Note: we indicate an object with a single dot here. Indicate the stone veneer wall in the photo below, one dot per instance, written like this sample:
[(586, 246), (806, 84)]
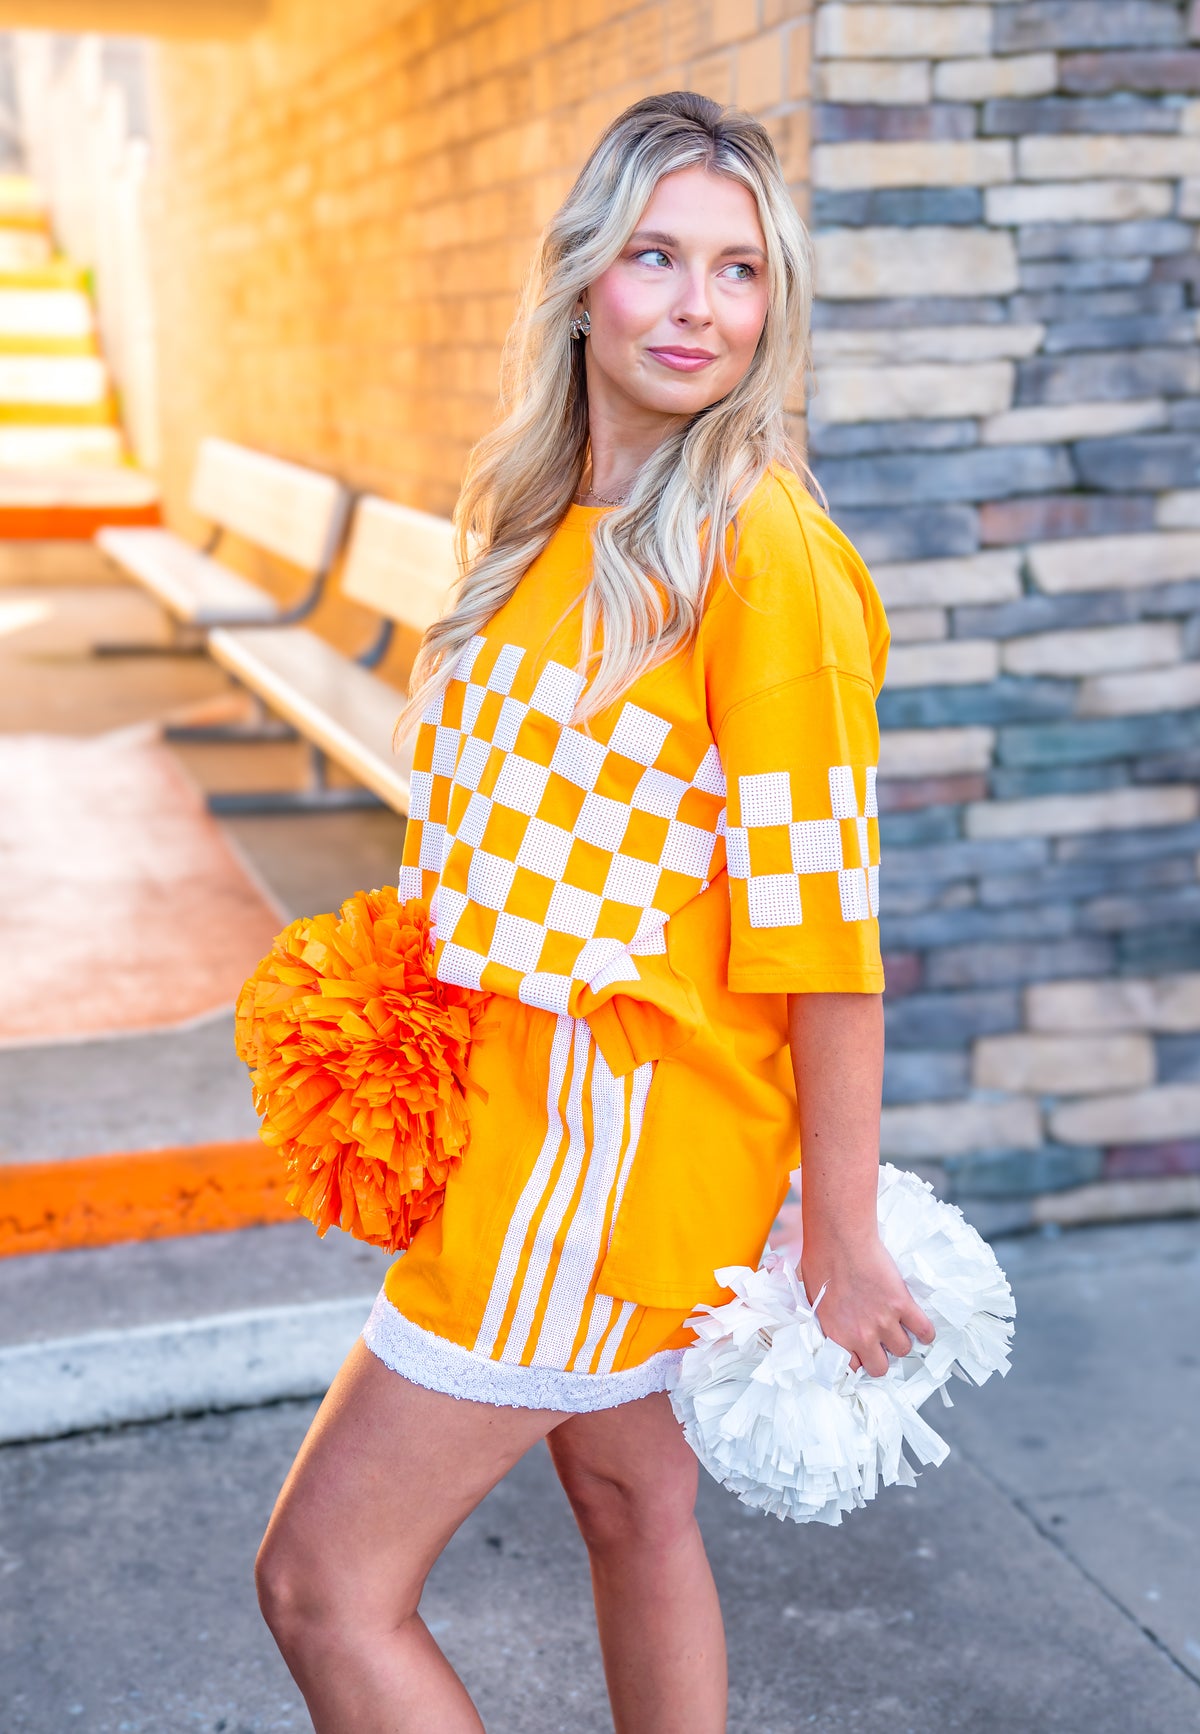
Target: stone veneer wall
[(1008, 423)]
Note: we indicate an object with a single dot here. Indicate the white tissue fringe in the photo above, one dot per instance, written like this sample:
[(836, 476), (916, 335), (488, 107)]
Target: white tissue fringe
[(769, 1404)]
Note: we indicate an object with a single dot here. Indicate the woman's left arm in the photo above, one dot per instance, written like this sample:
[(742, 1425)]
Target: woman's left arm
[(837, 1055)]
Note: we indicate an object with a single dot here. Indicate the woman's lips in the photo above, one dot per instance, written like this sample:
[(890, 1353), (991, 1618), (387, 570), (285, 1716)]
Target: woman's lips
[(683, 360)]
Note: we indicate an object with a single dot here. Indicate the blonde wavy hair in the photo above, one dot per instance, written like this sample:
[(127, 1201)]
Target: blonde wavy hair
[(654, 556)]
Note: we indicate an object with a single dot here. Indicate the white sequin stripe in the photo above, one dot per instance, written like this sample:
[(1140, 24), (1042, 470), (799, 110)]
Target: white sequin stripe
[(581, 1248), (598, 1322), (613, 1341), (531, 1194), (557, 1205), (438, 1365), (602, 1305)]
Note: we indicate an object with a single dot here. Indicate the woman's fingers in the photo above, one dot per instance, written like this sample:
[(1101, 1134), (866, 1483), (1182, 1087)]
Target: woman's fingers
[(897, 1341), (914, 1320)]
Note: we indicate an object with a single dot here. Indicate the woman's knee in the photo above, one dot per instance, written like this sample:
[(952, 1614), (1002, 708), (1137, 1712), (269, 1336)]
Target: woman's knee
[(616, 1513)]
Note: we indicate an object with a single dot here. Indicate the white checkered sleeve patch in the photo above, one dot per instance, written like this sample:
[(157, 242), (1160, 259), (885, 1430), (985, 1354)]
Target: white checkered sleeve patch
[(816, 846)]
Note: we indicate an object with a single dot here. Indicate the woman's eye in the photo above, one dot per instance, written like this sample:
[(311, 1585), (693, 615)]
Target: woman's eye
[(652, 255), (743, 273)]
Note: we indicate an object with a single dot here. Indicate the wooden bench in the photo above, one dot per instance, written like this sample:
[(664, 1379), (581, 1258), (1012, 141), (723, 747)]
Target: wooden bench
[(293, 513), (399, 563)]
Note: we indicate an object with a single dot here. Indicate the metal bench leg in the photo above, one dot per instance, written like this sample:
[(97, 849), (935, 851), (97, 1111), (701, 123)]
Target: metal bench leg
[(318, 797)]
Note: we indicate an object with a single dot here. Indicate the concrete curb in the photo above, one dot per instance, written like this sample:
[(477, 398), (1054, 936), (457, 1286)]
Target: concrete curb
[(225, 1361)]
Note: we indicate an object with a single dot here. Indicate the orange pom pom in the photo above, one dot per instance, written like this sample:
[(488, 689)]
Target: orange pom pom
[(358, 1058)]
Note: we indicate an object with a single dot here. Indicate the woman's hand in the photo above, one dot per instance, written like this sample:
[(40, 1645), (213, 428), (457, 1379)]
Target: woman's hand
[(867, 1307)]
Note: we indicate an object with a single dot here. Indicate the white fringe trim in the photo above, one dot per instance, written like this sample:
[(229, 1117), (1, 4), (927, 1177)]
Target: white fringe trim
[(438, 1365)]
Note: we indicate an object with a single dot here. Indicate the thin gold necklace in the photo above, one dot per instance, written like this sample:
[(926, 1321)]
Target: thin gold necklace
[(589, 494)]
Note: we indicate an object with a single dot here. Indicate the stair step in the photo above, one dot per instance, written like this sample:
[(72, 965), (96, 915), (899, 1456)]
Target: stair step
[(21, 200), (72, 504), (45, 313), (60, 447), (53, 380), (21, 248), (57, 274)]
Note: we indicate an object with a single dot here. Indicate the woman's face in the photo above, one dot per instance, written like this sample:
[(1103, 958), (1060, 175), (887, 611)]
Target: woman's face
[(677, 317)]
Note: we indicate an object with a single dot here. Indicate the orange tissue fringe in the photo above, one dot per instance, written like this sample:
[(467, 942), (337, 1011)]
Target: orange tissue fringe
[(358, 1059)]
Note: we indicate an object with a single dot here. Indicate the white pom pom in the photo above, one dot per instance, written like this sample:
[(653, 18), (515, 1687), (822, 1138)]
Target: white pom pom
[(769, 1404)]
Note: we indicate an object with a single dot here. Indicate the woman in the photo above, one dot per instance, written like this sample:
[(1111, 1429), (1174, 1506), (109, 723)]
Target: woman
[(643, 811)]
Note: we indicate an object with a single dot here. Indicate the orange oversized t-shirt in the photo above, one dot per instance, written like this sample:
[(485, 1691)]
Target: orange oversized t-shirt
[(555, 857), (672, 871)]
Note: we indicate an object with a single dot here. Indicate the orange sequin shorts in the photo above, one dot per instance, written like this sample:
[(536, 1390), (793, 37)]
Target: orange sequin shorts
[(497, 1298)]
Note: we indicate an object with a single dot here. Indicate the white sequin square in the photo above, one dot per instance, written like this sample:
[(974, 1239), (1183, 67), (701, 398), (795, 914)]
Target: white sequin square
[(473, 698), (639, 734), (557, 692), (504, 669), (473, 823), (521, 784), (468, 656), (508, 724), (855, 894), (773, 900), (574, 911), (651, 937), (471, 762), (420, 788), (816, 845), (658, 792), (445, 750), (602, 821), (688, 849), (737, 852), (596, 955), (489, 879), (632, 881), (871, 804), (545, 849), (410, 883), (449, 910), (432, 839), (843, 800), (578, 758), (766, 798), (545, 990), (710, 773), (517, 942), (459, 967)]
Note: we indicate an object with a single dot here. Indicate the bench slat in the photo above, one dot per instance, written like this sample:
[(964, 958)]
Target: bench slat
[(296, 513), (194, 587), (341, 707), (400, 562)]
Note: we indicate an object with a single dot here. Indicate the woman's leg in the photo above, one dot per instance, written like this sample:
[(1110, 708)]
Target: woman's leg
[(630, 1476), (385, 1476)]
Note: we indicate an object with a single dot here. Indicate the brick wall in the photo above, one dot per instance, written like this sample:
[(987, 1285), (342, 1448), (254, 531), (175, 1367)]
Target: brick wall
[(347, 202), (1008, 423), (1006, 199)]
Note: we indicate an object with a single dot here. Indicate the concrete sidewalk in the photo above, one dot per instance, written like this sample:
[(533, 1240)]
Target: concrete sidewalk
[(1046, 1579)]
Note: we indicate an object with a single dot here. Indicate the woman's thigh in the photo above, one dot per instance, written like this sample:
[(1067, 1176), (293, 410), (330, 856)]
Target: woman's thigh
[(628, 1469), (386, 1473)]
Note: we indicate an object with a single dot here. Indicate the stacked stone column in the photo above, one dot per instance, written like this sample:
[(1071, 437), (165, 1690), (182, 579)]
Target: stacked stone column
[(1005, 199)]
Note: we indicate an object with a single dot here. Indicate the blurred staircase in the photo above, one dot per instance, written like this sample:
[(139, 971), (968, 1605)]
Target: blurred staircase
[(64, 465)]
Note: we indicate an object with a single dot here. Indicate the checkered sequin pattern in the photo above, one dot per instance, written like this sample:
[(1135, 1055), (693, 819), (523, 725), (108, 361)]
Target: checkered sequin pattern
[(553, 856), (558, 854), (774, 849)]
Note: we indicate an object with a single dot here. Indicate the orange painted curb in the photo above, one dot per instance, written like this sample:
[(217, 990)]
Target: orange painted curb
[(68, 523), (142, 1195)]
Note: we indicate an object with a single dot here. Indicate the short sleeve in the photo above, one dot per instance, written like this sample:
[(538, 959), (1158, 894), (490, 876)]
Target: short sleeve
[(795, 650)]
